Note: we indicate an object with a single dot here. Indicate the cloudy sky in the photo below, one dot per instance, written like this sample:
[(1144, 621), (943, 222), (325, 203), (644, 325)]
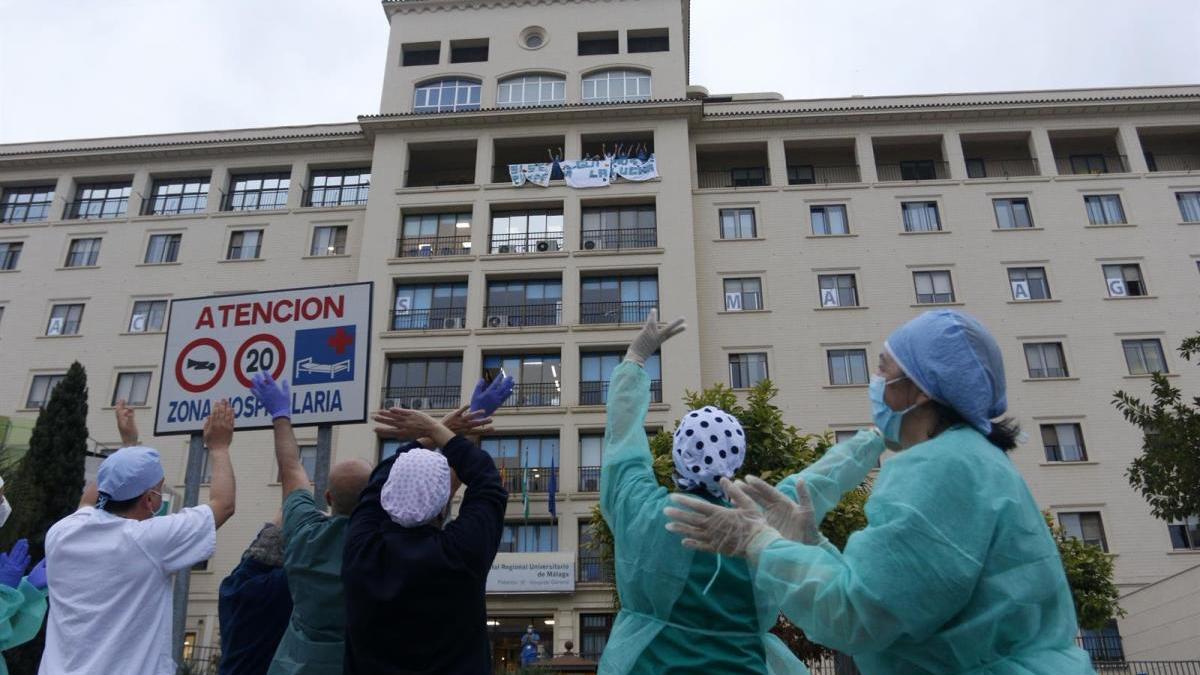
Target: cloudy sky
[(85, 68)]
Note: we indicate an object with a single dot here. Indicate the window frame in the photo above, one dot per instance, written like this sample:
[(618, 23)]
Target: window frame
[(1009, 205), (319, 248), (848, 366), (241, 234), (522, 82), (237, 199), (933, 286), (170, 250), (1056, 455), (840, 289), (745, 362), (89, 256), (609, 76), (136, 375), (67, 322), (10, 255), (150, 312), (1188, 202), (648, 40), (1037, 351), (738, 212), (742, 293), (1079, 517), (192, 190), (81, 208), (447, 300), (359, 186), (1102, 206), (1141, 344), (1043, 287), (472, 86), (51, 380), (1121, 271), (1187, 531), (32, 210), (926, 206), (824, 209)]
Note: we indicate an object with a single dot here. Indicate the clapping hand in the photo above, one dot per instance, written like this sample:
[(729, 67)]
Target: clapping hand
[(126, 424), (14, 563), (651, 337), (489, 397)]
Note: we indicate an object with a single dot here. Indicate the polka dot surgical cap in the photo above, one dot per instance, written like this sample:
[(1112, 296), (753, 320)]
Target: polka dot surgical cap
[(709, 445), (417, 488)]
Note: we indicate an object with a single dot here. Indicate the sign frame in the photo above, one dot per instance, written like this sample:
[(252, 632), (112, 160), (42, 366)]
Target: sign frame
[(267, 424)]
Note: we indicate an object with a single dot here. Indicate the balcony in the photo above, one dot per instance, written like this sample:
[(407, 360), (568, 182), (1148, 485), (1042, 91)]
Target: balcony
[(518, 316), (910, 158), (733, 165), (630, 311), (821, 161), (86, 209), (616, 240), (421, 398), (596, 393), (433, 247), (999, 155), (534, 478), (1110, 648), (1090, 151), (441, 318), (592, 571), (540, 150), (534, 395), (1171, 148), (589, 479), (526, 242), (440, 164)]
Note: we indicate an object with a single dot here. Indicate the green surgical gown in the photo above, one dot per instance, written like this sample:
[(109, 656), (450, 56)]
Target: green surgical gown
[(21, 613)]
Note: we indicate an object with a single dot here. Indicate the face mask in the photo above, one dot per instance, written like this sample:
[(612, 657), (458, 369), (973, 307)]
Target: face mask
[(5, 511), (885, 418)]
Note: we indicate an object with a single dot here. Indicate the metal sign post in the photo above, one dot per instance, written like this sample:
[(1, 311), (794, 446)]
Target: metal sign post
[(321, 473), (183, 578)]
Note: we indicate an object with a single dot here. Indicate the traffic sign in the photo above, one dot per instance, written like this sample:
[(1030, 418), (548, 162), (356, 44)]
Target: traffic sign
[(318, 338)]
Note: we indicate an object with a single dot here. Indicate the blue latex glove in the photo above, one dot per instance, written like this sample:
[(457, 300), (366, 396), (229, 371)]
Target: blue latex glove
[(276, 398), (488, 397), (14, 563), (37, 576)]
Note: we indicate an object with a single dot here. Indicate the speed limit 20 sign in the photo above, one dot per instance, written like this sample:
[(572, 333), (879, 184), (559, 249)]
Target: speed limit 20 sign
[(316, 338)]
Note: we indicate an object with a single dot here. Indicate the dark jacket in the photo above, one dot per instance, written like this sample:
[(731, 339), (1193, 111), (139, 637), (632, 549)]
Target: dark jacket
[(415, 597), (254, 608)]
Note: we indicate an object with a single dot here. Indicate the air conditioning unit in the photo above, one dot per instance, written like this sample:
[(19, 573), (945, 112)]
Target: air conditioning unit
[(390, 403), (515, 320), (496, 321), (504, 248), (592, 244), (547, 245), (418, 404), (452, 322)]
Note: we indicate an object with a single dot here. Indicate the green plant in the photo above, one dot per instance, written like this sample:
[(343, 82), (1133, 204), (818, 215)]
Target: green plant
[(1090, 575)]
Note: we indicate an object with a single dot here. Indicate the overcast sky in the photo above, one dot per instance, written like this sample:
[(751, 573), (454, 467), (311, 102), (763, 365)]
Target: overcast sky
[(85, 68)]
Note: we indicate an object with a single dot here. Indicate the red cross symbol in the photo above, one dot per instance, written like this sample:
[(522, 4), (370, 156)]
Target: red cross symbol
[(340, 340)]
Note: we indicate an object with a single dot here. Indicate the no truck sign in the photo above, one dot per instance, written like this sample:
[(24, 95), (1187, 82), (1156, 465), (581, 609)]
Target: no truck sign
[(317, 338)]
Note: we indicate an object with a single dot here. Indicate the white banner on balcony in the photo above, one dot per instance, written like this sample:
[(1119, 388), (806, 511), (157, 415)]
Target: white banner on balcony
[(538, 174), (586, 173), (634, 169), (532, 573)]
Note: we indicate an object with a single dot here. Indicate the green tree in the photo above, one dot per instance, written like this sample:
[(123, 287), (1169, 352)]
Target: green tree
[(1168, 470), (1090, 575)]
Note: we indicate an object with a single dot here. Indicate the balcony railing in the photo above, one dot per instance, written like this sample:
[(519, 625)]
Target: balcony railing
[(592, 570), (255, 200), (111, 207), (421, 398), (433, 177), (439, 318), (633, 311), (1002, 168), (1105, 647), (534, 395), (752, 176), (517, 316), (532, 242), (428, 247), (24, 212), (1085, 164), (589, 479), (343, 195), (502, 174), (174, 205), (914, 170), (1157, 162), (596, 392), (535, 478), (804, 174), (615, 240)]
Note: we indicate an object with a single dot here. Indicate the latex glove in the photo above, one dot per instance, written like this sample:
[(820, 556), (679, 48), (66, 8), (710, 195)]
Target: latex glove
[(794, 520), (14, 563), (488, 397), (37, 576), (651, 337), (276, 398), (739, 531)]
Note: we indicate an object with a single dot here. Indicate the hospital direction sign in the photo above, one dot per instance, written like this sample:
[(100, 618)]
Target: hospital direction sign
[(317, 338)]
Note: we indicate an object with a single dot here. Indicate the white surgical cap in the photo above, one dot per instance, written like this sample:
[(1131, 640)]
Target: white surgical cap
[(417, 487)]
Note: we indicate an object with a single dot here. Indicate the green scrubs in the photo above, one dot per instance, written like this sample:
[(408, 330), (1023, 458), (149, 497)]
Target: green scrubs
[(21, 613)]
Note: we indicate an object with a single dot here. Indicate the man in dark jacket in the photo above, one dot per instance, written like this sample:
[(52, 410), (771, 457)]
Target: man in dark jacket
[(415, 589), (254, 605)]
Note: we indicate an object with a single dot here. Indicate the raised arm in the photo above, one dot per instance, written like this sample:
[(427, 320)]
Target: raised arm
[(222, 490), (276, 398), (126, 424), (841, 469)]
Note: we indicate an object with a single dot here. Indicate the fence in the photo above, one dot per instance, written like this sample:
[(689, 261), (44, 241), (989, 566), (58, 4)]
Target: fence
[(534, 395), (200, 660), (421, 398), (927, 169), (595, 392), (630, 311), (753, 176), (532, 242), (625, 238), (441, 318), (426, 247), (516, 316), (807, 174)]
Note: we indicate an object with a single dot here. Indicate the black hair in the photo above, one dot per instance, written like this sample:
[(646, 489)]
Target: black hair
[(1004, 431), (118, 507)]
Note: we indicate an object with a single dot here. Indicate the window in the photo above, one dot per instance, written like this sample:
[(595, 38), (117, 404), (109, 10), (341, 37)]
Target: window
[(524, 461), (829, 219), (1063, 443), (10, 253), (245, 245), (919, 169), (328, 240), (838, 290), (743, 294), (41, 388), (259, 191), (449, 95), (598, 43), (133, 388), (523, 303), (100, 200), (647, 40), (1085, 526), (801, 174), (619, 227), (1088, 164), (83, 252), (440, 234), (423, 384), (591, 455), (933, 287), (529, 537), (148, 316), (1028, 283), (339, 187), (469, 51), (532, 89), (163, 248), (750, 176), (976, 168), (1124, 280), (308, 460), (1144, 356), (430, 306), (738, 224), (178, 195), (1012, 213), (616, 85), (536, 376), (847, 366), (1185, 534), (421, 54), (533, 37), (625, 299), (591, 569), (1045, 359), (921, 216), (26, 204), (593, 634), (64, 319), (1104, 644), (1104, 209), (747, 370), (1189, 206), (530, 231), (595, 371)]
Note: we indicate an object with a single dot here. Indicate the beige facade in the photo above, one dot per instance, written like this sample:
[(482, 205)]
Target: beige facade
[(769, 164)]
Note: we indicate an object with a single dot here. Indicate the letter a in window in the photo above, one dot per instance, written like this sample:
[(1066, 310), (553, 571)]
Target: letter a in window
[(829, 297), (1020, 290)]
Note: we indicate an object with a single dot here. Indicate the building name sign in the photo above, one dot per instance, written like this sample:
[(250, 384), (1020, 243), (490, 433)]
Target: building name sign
[(532, 573)]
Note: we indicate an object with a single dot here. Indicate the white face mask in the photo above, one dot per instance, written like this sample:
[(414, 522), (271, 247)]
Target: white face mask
[(5, 511)]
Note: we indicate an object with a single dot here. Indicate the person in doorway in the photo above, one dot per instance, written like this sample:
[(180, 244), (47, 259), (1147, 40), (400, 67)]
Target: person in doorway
[(530, 642), (254, 605), (314, 642), (111, 564), (22, 598), (956, 571)]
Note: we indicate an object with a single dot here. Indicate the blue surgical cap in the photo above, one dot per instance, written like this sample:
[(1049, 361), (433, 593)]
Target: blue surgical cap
[(129, 472), (956, 361)]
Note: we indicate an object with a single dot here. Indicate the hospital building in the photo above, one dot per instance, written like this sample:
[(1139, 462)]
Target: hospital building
[(793, 235)]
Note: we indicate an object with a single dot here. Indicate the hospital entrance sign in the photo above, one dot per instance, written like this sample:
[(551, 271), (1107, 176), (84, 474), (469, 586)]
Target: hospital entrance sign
[(317, 338)]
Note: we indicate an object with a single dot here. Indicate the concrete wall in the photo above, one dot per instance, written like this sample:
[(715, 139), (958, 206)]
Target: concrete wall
[(1163, 619)]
